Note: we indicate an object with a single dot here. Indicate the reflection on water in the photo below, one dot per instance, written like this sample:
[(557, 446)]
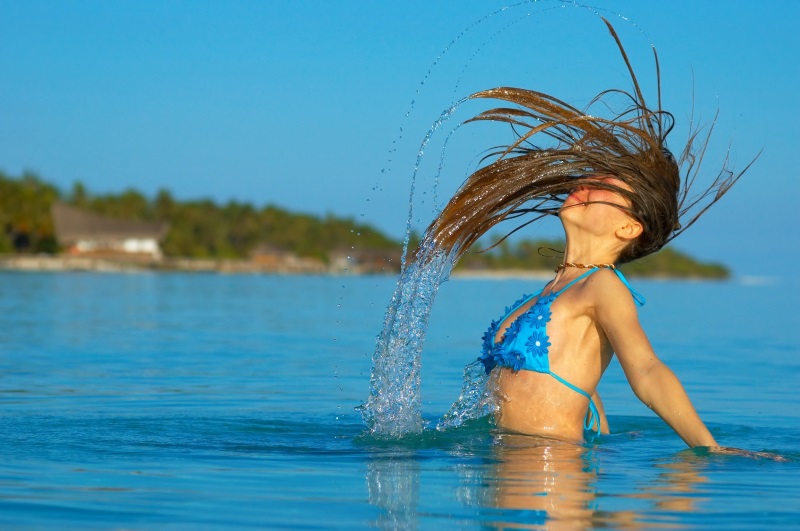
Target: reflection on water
[(543, 482), (393, 486), (535, 483)]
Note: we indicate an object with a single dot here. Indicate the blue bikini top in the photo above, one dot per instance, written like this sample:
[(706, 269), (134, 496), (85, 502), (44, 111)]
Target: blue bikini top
[(525, 343)]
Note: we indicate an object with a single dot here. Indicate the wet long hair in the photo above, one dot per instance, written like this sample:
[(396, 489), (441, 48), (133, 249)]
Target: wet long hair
[(525, 180)]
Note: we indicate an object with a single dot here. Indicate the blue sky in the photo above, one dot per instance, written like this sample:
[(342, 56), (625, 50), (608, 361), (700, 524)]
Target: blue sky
[(308, 104)]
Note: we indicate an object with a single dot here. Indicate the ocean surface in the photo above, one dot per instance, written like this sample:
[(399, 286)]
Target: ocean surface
[(206, 401)]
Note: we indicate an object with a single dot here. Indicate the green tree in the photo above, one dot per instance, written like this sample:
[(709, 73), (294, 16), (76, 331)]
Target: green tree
[(25, 218)]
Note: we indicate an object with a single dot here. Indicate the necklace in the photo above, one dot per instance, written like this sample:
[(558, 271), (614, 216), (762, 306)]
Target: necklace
[(583, 266)]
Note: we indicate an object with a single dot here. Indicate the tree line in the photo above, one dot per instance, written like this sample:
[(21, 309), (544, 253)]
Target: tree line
[(547, 254), (206, 229), (197, 228)]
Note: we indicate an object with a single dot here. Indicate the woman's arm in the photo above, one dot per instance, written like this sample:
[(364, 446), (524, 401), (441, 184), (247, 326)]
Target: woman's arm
[(652, 381)]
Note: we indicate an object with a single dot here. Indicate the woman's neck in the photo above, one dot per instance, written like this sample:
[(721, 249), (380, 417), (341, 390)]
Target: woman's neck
[(591, 251), (592, 239)]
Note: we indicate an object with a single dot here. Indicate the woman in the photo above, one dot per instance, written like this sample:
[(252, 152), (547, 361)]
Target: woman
[(551, 350), (618, 192)]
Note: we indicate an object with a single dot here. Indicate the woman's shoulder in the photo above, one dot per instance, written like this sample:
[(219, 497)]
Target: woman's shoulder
[(606, 287)]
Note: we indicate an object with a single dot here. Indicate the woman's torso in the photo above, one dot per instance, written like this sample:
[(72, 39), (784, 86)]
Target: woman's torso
[(534, 401)]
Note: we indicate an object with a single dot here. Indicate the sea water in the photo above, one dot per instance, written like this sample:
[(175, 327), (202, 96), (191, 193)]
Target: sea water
[(204, 401)]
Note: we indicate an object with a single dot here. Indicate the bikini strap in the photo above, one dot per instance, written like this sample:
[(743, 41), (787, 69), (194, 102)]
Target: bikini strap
[(638, 298), (591, 422), (562, 290)]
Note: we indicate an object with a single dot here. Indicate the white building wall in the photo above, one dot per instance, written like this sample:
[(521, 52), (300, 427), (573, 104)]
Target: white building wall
[(129, 245)]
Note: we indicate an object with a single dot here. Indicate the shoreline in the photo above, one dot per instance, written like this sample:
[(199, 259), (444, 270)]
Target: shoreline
[(49, 263)]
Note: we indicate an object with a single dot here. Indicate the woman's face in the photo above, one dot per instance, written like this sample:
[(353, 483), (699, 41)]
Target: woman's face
[(596, 208), (587, 194)]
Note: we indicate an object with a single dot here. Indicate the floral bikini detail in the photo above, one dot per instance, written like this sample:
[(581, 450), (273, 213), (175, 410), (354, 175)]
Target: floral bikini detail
[(535, 318)]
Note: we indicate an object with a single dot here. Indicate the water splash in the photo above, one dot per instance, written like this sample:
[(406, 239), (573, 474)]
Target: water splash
[(476, 400), (446, 114), (394, 407)]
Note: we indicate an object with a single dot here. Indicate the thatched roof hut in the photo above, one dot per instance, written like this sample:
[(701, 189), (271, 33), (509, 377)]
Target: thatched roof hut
[(85, 232)]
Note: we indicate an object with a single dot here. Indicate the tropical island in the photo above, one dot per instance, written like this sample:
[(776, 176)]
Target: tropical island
[(46, 228)]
